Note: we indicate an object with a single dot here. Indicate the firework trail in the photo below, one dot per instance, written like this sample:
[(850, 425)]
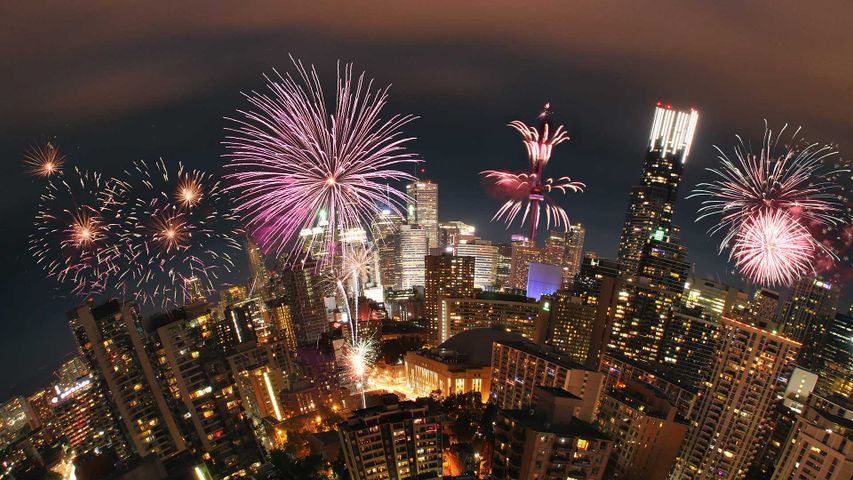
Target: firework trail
[(179, 225), (43, 160), (529, 192), (76, 237), (298, 167), (786, 193), (773, 248), (360, 357)]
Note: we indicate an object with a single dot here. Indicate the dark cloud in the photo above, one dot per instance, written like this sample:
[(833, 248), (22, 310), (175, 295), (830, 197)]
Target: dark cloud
[(118, 81)]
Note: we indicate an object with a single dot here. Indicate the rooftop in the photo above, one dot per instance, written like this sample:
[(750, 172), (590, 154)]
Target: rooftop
[(575, 428)]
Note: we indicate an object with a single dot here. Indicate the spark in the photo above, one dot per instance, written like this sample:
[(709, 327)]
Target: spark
[(529, 192), (773, 248), (298, 167), (178, 225), (790, 179), (43, 160), (75, 239), (360, 357)]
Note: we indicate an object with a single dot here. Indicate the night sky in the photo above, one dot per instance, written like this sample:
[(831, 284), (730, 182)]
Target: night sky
[(115, 82)]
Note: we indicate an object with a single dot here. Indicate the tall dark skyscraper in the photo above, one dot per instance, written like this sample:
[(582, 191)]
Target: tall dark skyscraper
[(807, 314), (445, 276), (652, 202)]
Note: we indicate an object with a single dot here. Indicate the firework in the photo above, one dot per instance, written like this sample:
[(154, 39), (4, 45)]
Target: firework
[(179, 225), (75, 237), (529, 192), (790, 180), (773, 248), (300, 168), (360, 356), (43, 160)]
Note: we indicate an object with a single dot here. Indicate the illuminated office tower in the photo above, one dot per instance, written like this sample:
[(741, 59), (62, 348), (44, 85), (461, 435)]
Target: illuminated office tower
[(665, 262), (412, 247), (652, 202), (445, 276), (200, 383), (70, 371), (400, 440), (571, 322), (597, 285), (836, 358), (112, 340), (454, 232), (819, 446), (519, 367), (646, 431), (423, 208), (566, 250), (83, 416), (485, 260), (524, 252), (304, 293), (503, 266), (513, 313), (262, 373), (639, 316), (548, 442), (716, 299), (730, 420), (807, 314), (763, 307), (690, 341), (258, 275), (385, 226)]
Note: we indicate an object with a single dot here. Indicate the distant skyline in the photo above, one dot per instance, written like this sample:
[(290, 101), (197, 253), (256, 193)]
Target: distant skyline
[(116, 83)]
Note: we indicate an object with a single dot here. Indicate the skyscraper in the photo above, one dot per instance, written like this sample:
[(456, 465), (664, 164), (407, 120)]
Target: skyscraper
[(112, 340), (445, 276), (524, 252), (730, 420), (485, 260), (763, 307), (423, 208), (304, 294), (571, 322), (412, 247), (690, 342), (638, 318), (836, 358), (652, 202), (807, 314), (597, 284), (454, 232), (385, 228), (513, 313), (716, 299), (84, 417), (566, 250), (258, 275), (400, 440), (665, 262)]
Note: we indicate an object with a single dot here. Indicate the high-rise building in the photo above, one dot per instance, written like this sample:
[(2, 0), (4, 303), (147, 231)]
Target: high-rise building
[(548, 442), (652, 202), (453, 233), (716, 299), (646, 431), (571, 322), (665, 262), (485, 261), (744, 385), (412, 247), (514, 313), (304, 294), (639, 317), (807, 314), (400, 440), (112, 339), (820, 446), (836, 358), (201, 385), (503, 267), (258, 275), (385, 226), (763, 307), (84, 418), (445, 276), (423, 208), (597, 284), (524, 252), (518, 367), (566, 250), (689, 347)]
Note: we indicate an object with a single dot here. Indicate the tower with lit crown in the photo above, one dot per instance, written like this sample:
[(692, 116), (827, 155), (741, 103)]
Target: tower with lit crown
[(652, 202)]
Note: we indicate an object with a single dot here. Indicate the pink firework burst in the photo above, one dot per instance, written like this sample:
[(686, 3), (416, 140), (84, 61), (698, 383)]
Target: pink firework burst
[(529, 192), (790, 179), (773, 248), (298, 167)]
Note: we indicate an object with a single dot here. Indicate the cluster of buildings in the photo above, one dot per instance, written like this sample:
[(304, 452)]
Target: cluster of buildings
[(594, 368)]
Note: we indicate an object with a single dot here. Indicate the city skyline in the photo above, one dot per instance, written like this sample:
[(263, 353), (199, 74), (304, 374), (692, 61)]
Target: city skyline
[(241, 244)]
